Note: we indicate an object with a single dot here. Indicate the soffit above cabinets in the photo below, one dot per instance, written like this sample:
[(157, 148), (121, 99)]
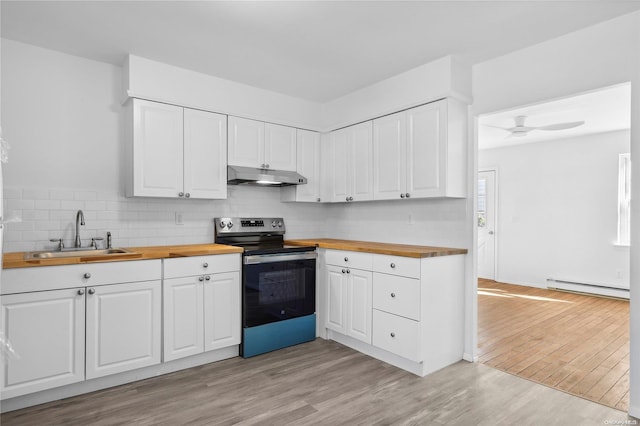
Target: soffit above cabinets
[(313, 50)]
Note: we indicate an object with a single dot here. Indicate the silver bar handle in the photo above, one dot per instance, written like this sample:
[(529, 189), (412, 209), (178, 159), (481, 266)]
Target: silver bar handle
[(279, 257)]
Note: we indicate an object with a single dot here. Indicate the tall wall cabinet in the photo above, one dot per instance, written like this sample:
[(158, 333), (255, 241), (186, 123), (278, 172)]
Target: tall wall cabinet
[(176, 152)]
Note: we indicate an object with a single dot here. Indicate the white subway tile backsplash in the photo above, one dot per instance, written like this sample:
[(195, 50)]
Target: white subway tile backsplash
[(35, 194), (85, 195), (61, 194), (47, 204)]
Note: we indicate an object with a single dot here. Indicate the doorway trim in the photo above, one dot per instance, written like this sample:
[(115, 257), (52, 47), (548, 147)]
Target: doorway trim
[(494, 169)]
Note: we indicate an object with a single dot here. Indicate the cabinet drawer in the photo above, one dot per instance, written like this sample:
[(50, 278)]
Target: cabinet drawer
[(352, 259), (196, 265), (397, 265), (397, 295), (22, 280), (398, 335)]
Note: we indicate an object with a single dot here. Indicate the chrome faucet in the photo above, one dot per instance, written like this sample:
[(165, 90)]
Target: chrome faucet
[(79, 221)]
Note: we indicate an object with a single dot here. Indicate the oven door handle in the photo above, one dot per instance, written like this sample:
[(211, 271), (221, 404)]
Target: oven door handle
[(279, 257)]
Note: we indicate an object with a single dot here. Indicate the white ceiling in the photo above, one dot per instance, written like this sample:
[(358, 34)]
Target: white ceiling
[(602, 111), (315, 50)]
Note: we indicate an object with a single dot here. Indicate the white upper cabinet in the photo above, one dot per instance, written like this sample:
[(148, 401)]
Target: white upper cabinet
[(308, 165), (177, 152), (351, 163), (421, 152), (261, 145)]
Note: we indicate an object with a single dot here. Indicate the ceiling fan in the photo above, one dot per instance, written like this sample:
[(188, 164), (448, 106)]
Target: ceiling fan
[(520, 130)]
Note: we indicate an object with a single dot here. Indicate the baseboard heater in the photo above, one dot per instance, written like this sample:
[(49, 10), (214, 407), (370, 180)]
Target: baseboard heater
[(587, 288)]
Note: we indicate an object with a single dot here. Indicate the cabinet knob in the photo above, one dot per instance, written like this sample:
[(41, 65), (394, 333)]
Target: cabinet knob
[(393, 334), (348, 271), (180, 194), (393, 295), (346, 259), (187, 195), (350, 198), (87, 275), (318, 199), (347, 198), (393, 265), (407, 195), (205, 265), (208, 277), (92, 291), (80, 292), (401, 195), (267, 166), (201, 278), (344, 271)]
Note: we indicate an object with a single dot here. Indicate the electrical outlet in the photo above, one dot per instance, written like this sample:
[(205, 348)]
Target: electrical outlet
[(179, 219)]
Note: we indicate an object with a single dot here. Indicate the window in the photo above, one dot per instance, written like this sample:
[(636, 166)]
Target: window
[(624, 199)]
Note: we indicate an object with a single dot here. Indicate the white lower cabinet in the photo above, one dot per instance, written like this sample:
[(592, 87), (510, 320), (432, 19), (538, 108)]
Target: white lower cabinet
[(409, 311), (349, 302), (46, 330), (123, 327), (75, 322), (201, 304)]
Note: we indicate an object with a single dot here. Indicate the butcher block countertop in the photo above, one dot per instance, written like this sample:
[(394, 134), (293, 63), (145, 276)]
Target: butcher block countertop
[(16, 259), (405, 250)]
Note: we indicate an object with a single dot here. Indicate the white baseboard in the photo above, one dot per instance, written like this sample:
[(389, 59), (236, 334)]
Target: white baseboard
[(634, 412), (469, 357)]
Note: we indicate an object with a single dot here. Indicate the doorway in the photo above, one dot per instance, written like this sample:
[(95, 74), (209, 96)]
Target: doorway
[(487, 224)]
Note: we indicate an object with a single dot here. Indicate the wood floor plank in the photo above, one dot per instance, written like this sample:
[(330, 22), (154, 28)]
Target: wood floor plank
[(573, 342)]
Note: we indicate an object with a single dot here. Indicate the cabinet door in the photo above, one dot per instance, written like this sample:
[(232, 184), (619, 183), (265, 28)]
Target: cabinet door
[(359, 304), (336, 299), (246, 142), (280, 147), (308, 165), (205, 154), (389, 157), (46, 330), (339, 165), (361, 161), (123, 327), (183, 317), (426, 145), (157, 149), (222, 321)]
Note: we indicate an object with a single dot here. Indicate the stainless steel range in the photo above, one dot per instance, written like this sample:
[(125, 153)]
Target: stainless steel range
[(278, 284)]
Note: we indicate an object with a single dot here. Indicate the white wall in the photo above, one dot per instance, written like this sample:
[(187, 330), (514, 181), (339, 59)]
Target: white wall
[(599, 56), (63, 117), (557, 210)]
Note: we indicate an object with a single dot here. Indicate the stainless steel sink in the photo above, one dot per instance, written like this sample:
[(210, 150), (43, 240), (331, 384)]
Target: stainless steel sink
[(83, 252)]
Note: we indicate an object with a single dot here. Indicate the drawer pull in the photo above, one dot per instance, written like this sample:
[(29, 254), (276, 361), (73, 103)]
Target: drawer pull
[(393, 295), (80, 292), (205, 265), (92, 291), (201, 278), (87, 275), (393, 265), (344, 271), (348, 271), (208, 277), (393, 334), (346, 259)]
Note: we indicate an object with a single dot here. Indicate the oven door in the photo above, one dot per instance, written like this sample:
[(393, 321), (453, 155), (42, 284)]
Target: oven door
[(277, 287)]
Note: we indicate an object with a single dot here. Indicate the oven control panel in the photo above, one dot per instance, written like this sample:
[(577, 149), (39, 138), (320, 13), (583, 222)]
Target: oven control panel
[(248, 225)]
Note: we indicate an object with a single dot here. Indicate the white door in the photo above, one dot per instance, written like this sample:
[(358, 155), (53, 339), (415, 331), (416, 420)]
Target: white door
[(46, 330), (246, 142), (361, 163), (339, 165), (359, 302), (183, 317), (487, 224), (426, 142), (157, 149), (279, 147), (389, 156), (336, 299), (205, 154), (222, 321), (123, 327), (308, 165)]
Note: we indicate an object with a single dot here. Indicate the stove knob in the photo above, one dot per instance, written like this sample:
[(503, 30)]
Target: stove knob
[(280, 224), (222, 224), (230, 225), (274, 224)]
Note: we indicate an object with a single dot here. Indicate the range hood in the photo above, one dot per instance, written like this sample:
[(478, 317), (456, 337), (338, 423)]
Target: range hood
[(251, 176)]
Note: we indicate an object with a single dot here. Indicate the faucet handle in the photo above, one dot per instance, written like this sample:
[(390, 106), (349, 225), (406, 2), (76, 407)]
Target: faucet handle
[(109, 239), (59, 241), (94, 241)]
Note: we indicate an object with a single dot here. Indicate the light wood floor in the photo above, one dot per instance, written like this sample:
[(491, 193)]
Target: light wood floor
[(576, 343), (321, 383)]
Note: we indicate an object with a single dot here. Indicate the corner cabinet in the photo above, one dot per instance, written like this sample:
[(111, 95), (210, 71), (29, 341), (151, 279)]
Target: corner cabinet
[(350, 163), (176, 152), (421, 152), (261, 145)]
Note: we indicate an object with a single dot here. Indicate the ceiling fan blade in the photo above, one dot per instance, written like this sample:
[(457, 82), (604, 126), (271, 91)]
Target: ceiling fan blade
[(561, 126)]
